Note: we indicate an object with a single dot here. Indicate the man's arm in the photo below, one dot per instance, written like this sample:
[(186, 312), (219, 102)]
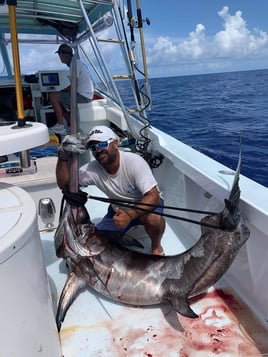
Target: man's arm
[(123, 217), (151, 197), (62, 173)]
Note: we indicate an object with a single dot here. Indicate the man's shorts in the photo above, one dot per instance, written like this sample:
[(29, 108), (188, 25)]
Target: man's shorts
[(65, 98), (107, 223)]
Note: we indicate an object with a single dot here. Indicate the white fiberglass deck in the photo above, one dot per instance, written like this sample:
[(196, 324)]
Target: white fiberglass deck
[(96, 326)]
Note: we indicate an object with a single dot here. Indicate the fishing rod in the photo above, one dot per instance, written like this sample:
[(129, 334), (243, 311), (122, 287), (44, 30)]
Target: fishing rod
[(130, 50)]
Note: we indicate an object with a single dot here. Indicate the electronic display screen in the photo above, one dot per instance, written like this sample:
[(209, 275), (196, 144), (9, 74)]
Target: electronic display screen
[(50, 79)]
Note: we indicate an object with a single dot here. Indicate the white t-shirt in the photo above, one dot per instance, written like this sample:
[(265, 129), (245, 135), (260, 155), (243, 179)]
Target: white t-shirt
[(133, 179), (85, 83)]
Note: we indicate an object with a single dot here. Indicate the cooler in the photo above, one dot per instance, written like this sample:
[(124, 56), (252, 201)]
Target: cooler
[(27, 324)]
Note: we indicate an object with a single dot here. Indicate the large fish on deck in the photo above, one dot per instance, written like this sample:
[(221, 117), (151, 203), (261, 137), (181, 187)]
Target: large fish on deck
[(142, 279)]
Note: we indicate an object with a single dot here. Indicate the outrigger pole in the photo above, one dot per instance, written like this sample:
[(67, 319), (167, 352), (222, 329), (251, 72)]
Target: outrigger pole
[(12, 141), (24, 155), (16, 61)]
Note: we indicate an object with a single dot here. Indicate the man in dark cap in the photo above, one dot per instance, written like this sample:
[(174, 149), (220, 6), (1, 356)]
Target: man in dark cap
[(60, 101)]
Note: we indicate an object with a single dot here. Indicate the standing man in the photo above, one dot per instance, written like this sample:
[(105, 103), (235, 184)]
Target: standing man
[(61, 101), (121, 176)]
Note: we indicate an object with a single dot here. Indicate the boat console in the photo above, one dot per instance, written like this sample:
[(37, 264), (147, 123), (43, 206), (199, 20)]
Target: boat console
[(48, 81), (53, 81), (35, 89)]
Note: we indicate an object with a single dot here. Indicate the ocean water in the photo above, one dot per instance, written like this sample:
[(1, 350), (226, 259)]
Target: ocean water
[(209, 112)]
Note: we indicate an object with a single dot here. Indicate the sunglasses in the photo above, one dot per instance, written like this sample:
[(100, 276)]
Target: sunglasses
[(101, 145)]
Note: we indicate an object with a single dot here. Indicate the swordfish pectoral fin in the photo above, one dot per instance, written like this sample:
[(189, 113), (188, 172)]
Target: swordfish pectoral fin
[(72, 287), (181, 305), (178, 297)]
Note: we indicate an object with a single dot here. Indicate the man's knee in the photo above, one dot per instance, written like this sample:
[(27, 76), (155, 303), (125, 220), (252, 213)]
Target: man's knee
[(154, 220), (53, 96)]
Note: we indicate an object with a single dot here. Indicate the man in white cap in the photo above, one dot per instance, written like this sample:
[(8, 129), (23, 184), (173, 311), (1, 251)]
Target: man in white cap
[(121, 176), (61, 101)]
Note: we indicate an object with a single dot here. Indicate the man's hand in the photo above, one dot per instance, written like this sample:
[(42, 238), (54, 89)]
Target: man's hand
[(121, 218), (75, 143)]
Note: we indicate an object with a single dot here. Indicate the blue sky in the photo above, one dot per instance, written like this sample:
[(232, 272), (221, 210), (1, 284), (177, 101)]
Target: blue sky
[(188, 37), (204, 36)]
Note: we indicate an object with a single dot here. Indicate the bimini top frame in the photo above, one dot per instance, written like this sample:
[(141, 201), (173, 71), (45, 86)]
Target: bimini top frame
[(74, 21), (40, 15)]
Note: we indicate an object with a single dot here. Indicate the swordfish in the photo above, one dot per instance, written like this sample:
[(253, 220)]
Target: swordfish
[(139, 279)]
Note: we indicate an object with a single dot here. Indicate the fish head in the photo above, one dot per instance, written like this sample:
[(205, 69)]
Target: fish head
[(75, 236)]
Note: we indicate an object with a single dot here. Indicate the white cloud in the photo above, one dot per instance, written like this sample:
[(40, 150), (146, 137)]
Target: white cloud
[(195, 44), (171, 51), (236, 40), (220, 51), (34, 59), (235, 47)]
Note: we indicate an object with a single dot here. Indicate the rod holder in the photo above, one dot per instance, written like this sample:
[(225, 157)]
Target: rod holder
[(25, 160)]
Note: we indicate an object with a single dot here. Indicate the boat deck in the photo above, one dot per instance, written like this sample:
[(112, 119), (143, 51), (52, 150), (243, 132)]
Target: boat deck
[(97, 326)]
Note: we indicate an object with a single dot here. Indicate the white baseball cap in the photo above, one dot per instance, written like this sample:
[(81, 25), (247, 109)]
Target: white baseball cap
[(101, 133)]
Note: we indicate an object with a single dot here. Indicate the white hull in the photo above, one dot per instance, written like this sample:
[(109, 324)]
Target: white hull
[(234, 310)]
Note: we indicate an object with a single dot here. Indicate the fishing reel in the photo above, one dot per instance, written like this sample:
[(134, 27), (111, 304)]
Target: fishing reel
[(135, 22)]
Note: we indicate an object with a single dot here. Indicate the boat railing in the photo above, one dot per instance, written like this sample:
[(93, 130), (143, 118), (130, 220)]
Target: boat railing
[(103, 72)]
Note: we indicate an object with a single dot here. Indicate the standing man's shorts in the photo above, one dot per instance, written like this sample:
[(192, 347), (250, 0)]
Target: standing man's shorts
[(65, 98)]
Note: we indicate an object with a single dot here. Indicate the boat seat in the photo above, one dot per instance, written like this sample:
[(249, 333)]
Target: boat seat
[(98, 113), (90, 115), (116, 117)]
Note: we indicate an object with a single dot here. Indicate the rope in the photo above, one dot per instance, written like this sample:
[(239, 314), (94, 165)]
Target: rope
[(76, 199), (80, 198), (125, 203), (111, 200)]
